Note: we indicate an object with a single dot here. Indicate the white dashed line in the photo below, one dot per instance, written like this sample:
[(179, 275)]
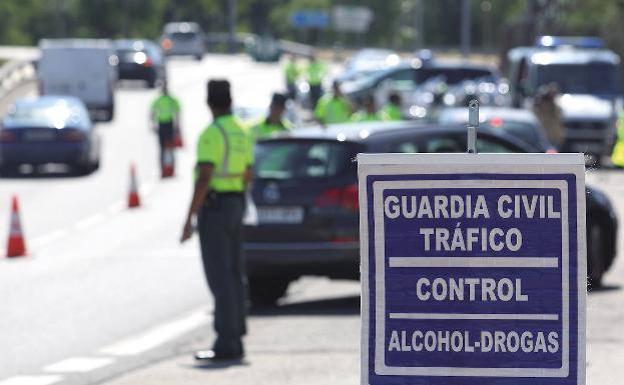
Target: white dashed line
[(90, 221), (157, 336), (78, 365), (31, 380), (50, 237)]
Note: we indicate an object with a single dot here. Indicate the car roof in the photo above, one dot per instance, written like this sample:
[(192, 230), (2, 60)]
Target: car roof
[(49, 100), (344, 131), (136, 44), (75, 43), (564, 55), (460, 114), (183, 26), (362, 132)]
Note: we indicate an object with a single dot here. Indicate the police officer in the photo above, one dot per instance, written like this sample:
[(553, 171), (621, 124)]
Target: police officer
[(392, 110), (274, 122), (617, 156), (291, 73), (369, 112), (165, 116), (333, 107), (315, 74), (224, 160)]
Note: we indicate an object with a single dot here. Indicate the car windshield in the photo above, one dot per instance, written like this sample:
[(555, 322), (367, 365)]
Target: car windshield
[(454, 75), (593, 78), (184, 36), (57, 115), (291, 159)]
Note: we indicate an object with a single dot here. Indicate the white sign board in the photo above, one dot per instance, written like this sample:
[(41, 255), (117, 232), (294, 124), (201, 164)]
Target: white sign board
[(473, 269)]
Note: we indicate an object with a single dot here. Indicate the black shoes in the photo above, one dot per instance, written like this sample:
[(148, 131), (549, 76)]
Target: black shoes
[(215, 355)]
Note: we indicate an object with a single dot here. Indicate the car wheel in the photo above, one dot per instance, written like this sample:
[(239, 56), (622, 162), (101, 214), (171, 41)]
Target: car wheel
[(199, 57), (595, 255), (265, 291)]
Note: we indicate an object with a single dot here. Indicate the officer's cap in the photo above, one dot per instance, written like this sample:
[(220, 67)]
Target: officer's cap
[(219, 93)]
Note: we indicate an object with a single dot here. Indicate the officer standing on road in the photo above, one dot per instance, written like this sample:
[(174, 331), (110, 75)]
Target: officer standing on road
[(369, 112), (291, 72), (617, 156), (333, 107), (315, 74), (224, 160), (165, 117), (274, 122), (392, 110)]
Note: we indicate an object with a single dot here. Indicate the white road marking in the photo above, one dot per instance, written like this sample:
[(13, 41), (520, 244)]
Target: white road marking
[(90, 221), (31, 380), (50, 237), (78, 365), (116, 207), (157, 336)]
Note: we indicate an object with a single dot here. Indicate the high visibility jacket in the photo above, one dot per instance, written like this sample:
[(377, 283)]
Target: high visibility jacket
[(331, 109), (315, 73), (225, 144), (617, 157), (363, 116), (165, 108), (264, 129), (391, 112), (291, 71)]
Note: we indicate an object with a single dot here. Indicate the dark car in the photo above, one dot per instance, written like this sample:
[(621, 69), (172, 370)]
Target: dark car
[(407, 76), (307, 202), (520, 123), (140, 60), (49, 129)]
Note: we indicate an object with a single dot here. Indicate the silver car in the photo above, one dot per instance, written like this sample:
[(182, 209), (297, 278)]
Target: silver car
[(183, 39)]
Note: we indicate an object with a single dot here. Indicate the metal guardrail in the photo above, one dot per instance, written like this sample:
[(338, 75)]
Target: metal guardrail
[(15, 73)]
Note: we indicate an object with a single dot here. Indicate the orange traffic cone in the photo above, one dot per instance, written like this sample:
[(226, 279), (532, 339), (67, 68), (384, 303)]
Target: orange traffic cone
[(16, 246), (133, 195), (167, 166)]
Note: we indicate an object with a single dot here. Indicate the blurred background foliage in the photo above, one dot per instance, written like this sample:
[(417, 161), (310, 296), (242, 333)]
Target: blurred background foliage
[(497, 25)]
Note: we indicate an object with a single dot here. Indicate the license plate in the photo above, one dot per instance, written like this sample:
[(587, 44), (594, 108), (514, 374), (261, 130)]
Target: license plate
[(280, 215), (39, 135)]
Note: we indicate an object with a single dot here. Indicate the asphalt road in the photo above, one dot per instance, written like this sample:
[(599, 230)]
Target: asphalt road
[(112, 290), (97, 272)]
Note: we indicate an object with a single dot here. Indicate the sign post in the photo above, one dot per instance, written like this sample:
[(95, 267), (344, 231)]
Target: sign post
[(473, 269)]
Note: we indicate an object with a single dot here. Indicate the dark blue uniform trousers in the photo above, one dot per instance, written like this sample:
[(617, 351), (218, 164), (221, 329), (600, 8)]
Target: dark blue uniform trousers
[(220, 235)]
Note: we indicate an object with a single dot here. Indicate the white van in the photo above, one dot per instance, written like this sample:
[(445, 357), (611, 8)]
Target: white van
[(84, 68)]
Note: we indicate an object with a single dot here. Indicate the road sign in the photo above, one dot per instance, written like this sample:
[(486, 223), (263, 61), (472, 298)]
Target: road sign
[(309, 19), (351, 18), (473, 269)]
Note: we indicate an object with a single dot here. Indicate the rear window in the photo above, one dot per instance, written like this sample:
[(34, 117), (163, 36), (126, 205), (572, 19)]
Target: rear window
[(57, 115), (184, 36), (523, 131), (303, 159)]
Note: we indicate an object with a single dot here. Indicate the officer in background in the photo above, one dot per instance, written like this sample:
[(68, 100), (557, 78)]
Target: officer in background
[(617, 156), (224, 160), (165, 113), (333, 107), (291, 73), (368, 113), (315, 73), (392, 110), (274, 122)]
